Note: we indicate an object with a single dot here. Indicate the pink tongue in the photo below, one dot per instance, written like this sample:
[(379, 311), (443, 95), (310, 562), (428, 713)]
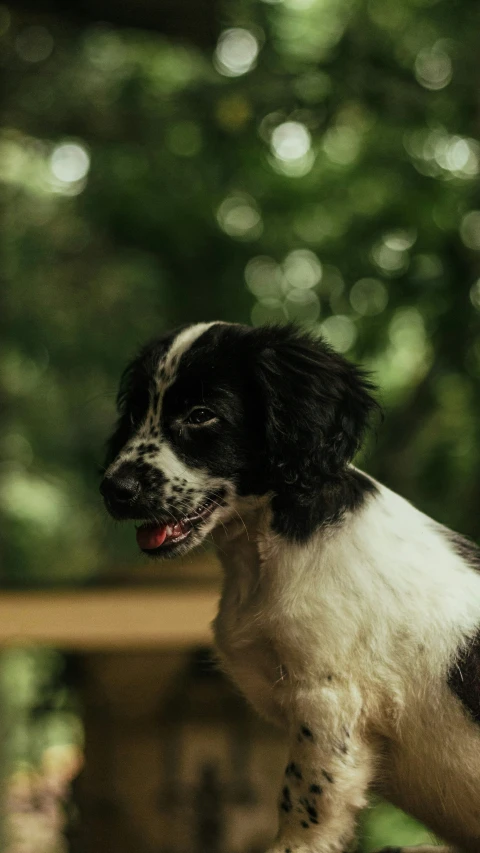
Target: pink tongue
[(149, 538)]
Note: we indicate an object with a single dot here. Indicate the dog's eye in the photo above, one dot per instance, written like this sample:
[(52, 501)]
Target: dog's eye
[(200, 416)]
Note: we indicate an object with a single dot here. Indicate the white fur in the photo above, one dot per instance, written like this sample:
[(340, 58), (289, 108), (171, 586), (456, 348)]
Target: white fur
[(180, 345), (381, 604)]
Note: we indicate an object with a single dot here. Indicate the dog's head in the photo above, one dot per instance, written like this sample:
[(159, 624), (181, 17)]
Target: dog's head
[(213, 414)]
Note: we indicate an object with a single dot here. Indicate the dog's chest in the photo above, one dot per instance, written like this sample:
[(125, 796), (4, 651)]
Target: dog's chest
[(279, 629), (252, 641)]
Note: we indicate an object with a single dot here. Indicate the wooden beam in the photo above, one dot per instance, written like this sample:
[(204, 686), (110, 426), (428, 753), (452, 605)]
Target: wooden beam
[(108, 619)]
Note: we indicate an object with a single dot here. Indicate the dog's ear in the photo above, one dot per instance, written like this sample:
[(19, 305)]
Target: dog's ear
[(316, 408)]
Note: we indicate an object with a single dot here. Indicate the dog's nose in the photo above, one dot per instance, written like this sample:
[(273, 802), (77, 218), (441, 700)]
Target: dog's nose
[(120, 488)]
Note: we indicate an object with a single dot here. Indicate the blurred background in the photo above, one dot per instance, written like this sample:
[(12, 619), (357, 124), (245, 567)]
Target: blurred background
[(169, 161)]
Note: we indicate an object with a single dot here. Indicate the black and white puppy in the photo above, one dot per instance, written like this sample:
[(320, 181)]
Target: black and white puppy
[(347, 615)]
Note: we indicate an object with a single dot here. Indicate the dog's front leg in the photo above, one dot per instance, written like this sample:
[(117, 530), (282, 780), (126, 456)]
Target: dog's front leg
[(328, 772)]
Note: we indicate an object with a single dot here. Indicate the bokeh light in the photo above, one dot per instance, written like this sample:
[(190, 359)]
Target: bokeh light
[(342, 144), (34, 44), (236, 52), (290, 141), (369, 297), (302, 269), (239, 217), (291, 145), (475, 294), (390, 254), (442, 154), (264, 277), (433, 68), (105, 49), (339, 331), (69, 165), (470, 230)]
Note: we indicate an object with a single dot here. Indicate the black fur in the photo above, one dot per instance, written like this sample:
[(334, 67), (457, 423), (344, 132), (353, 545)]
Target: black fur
[(465, 548), (464, 674), (464, 677), (293, 769), (291, 415), (317, 406)]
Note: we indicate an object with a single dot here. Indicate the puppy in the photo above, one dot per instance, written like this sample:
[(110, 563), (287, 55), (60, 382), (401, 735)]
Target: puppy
[(347, 616)]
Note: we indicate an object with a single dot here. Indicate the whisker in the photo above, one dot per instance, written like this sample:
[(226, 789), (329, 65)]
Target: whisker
[(239, 516)]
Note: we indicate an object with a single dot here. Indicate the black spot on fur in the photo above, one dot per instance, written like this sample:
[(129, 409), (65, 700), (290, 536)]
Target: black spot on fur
[(304, 824), (327, 776), (286, 802), (464, 677), (306, 732), (293, 769), (151, 447), (309, 807), (316, 789)]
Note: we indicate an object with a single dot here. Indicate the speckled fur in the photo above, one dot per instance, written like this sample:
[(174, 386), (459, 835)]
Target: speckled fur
[(345, 636)]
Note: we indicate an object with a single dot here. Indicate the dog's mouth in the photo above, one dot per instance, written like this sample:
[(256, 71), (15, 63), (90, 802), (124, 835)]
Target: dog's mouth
[(154, 537)]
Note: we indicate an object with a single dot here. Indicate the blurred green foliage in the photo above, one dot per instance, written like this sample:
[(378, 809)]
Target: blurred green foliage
[(322, 166)]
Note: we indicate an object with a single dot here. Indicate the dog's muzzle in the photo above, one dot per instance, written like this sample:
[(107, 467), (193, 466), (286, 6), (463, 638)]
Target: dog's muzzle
[(122, 493)]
